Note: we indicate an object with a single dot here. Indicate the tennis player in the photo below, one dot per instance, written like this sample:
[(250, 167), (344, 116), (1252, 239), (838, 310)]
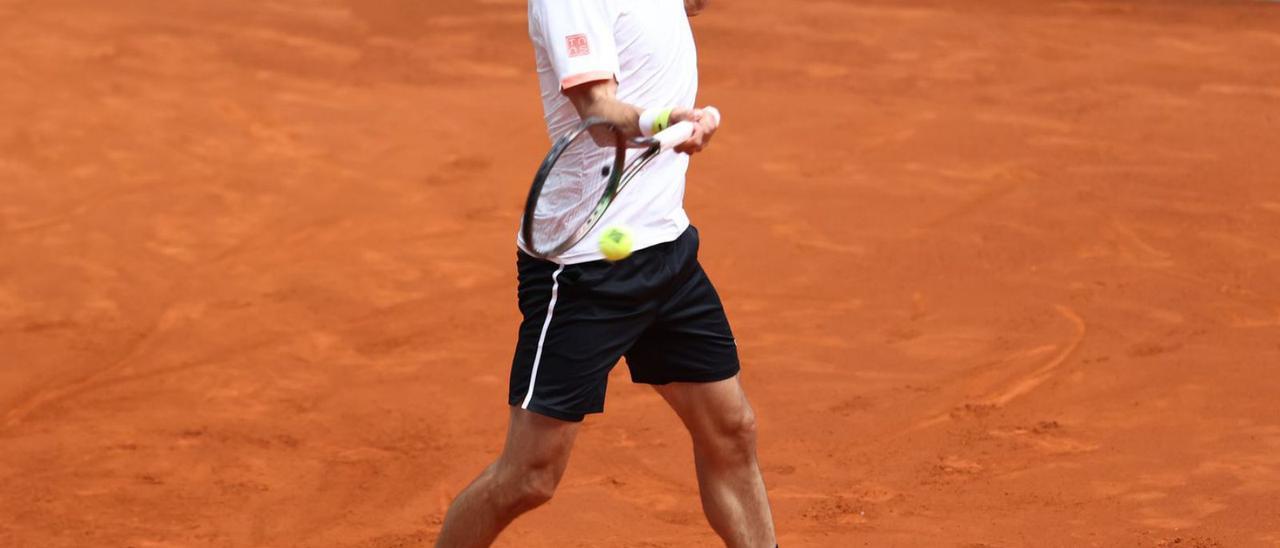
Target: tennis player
[(632, 62)]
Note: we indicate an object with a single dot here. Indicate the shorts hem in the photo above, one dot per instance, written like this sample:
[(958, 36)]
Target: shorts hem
[(567, 416), (715, 376)]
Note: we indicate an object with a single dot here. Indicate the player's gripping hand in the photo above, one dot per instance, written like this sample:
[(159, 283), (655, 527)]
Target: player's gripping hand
[(704, 127)]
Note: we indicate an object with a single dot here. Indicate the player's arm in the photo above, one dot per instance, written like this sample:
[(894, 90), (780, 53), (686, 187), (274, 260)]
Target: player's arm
[(599, 98), (578, 38)]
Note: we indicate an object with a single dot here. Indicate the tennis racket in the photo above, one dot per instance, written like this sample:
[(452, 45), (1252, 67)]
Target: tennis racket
[(582, 175)]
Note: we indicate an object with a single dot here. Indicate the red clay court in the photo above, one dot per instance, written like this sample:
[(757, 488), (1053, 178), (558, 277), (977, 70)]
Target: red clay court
[(1002, 273)]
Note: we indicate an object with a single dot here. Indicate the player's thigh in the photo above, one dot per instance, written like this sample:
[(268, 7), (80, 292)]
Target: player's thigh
[(712, 411), (537, 442)]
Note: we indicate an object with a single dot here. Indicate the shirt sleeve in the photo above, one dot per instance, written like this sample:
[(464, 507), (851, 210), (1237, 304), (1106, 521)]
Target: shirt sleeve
[(578, 38)]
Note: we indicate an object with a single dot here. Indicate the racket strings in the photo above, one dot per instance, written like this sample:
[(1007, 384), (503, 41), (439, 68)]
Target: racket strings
[(578, 177)]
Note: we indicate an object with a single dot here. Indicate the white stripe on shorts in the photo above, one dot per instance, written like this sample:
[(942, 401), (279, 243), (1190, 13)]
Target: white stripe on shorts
[(537, 356)]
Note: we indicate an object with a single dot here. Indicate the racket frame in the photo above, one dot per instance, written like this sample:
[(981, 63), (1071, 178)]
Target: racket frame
[(611, 187), (620, 174)]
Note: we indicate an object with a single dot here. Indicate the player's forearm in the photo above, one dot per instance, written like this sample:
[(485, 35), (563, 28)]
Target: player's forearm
[(624, 116), (600, 100)]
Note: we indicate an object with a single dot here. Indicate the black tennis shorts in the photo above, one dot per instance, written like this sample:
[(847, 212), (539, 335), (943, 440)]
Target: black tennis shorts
[(657, 308)]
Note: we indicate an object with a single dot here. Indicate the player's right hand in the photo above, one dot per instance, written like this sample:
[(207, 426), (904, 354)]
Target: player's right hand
[(704, 127)]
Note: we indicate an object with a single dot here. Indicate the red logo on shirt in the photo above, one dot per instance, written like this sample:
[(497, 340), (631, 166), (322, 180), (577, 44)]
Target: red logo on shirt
[(578, 45)]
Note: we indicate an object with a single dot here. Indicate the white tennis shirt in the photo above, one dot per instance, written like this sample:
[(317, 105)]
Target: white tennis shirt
[(647, 46)]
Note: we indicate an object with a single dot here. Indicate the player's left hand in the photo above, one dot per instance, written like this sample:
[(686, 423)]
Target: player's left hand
[(704, 127)]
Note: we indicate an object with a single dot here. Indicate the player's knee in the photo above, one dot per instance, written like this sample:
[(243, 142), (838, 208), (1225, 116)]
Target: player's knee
[(535, 487), (529, 483), (742, 430), (735, 438)]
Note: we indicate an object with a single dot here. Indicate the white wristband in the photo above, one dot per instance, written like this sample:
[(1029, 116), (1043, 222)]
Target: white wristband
[(654, 120)]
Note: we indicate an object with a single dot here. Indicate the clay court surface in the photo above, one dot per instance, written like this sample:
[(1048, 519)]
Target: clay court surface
[(1002, 273)]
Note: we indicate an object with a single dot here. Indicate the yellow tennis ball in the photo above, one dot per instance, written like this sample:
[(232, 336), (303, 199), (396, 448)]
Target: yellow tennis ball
[(615, 243)]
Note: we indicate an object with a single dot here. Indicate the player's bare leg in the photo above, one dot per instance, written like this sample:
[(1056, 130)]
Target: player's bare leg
[(523, 478), (723, 429)]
